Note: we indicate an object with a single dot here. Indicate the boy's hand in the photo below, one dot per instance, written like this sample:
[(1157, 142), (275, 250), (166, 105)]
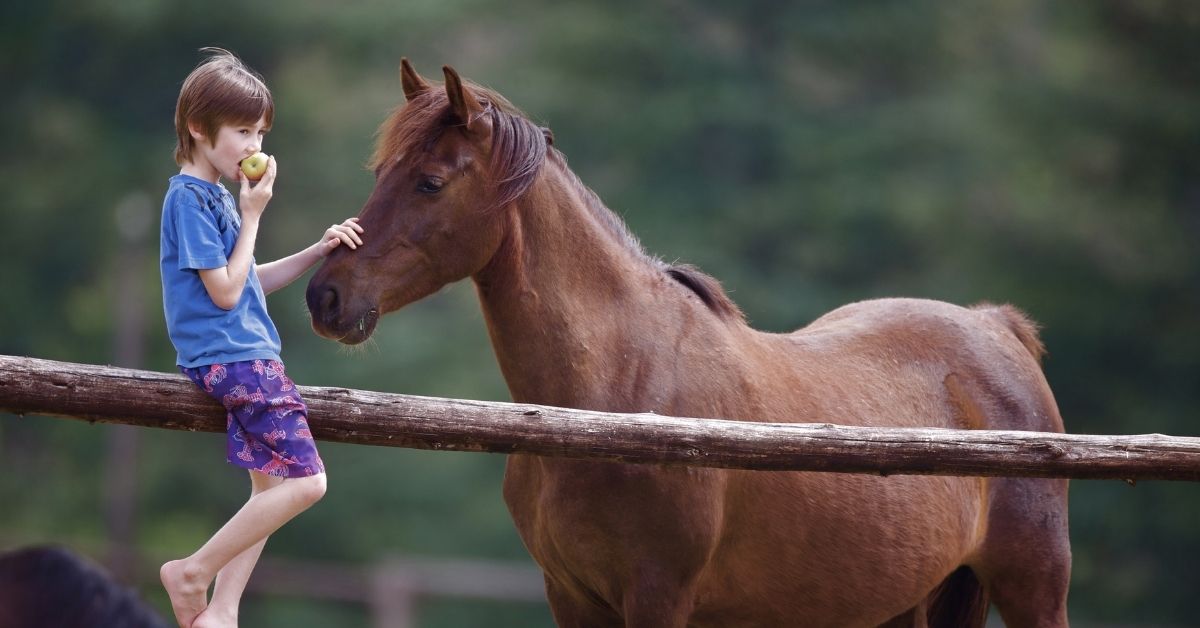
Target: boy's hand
[(253, 200), (335, 236)]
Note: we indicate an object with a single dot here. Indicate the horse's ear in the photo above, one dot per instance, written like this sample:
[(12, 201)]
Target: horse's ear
[(466, 107), (412, 82)]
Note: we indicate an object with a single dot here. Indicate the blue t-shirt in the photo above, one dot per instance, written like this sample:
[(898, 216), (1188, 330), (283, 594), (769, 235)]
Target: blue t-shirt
[(200, 225)]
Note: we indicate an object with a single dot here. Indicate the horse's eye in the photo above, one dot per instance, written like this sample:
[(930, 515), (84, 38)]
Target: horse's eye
[(430, 185)]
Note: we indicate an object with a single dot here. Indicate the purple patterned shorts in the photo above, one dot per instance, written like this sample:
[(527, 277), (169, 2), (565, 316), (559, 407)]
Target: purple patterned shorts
[(266, 419)]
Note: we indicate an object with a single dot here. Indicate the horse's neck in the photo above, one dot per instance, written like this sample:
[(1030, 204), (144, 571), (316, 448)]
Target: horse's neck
[(565, 296)]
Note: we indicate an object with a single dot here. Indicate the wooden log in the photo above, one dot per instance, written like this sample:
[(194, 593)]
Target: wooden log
[(116, 395)]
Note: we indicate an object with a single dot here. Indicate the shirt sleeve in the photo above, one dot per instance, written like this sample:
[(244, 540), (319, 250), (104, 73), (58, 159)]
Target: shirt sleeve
[(199, 236)]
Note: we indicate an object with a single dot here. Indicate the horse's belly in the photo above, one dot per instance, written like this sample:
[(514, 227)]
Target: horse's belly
[(837, 550)]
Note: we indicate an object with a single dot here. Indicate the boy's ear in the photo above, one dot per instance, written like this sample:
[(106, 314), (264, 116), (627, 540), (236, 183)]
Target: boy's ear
[(194, 131)]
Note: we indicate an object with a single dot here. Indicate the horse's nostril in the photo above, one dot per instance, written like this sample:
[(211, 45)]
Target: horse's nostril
[(322, 300), (329, 300)]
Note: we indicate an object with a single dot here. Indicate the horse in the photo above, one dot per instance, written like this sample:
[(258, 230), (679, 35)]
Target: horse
[(580, 316)]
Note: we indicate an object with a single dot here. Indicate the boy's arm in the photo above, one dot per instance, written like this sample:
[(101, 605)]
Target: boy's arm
[(225, 284), (281, 272)]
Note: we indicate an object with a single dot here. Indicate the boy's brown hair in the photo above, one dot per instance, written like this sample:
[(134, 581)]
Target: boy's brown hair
[(220, 91)]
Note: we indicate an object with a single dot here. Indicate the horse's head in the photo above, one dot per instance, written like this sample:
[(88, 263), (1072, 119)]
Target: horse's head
[(448, 165)]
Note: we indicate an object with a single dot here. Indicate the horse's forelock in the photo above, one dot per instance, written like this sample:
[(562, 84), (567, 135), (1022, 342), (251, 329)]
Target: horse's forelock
[(518, 145), (410, 129)]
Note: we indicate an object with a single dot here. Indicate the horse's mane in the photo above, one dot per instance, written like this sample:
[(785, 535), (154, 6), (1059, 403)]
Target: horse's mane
[(519, 151), (705, 286)]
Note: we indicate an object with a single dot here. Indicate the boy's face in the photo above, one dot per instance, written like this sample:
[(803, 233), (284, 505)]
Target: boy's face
[(233, 144)]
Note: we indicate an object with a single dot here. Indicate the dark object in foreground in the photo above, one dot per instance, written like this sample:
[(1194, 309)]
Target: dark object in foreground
[(46, 586)]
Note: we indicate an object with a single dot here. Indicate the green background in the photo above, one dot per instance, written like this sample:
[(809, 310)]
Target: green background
[(807, 154)]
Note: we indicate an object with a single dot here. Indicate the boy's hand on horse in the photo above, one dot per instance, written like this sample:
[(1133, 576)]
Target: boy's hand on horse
[(346, 233)]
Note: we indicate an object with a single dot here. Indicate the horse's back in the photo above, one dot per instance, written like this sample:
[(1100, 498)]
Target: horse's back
[(924, 363)]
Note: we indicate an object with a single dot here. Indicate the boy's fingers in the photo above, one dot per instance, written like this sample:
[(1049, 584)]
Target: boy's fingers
[(343, 233), (336, 236), (267, 181), (349, 235)]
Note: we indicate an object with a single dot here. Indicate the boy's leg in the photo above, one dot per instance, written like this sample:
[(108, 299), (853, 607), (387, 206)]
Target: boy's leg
[(222, 609), (187, 579), (268, 430)]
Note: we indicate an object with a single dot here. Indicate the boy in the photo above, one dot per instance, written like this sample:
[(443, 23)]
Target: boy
[(226, 343)]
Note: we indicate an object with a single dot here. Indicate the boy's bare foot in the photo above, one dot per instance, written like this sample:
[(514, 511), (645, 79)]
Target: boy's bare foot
[(214, 618), (187, 590)]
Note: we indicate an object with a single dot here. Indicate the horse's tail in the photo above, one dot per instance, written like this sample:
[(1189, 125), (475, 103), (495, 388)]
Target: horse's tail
[(958, 602), (1021, 326)]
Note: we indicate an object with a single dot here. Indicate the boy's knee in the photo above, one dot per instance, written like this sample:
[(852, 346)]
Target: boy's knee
[(313, 488)]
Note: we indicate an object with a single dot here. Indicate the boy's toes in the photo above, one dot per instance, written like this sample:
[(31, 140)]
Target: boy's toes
[(210, 619)]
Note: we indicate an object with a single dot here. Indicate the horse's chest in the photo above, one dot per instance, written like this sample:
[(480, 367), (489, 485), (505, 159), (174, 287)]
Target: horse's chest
[(599, 517)]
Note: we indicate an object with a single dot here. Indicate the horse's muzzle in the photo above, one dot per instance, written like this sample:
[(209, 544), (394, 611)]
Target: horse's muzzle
[(332, 319)]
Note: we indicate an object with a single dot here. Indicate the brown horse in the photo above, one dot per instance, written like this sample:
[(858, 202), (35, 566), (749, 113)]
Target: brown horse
[(581, 317)]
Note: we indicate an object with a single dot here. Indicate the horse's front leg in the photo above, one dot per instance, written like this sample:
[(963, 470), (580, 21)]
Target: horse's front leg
[(649, 604), (570, 611), (657, 599), (912, 618)]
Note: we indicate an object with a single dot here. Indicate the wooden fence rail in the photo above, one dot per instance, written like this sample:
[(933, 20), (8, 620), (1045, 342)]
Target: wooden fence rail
[(116, 395)]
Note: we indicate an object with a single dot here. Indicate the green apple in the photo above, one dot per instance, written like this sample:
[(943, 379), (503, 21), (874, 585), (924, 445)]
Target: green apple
[(255, 166)]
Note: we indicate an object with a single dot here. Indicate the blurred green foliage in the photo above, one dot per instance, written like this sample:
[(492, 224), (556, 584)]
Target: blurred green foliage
[(807, 154)]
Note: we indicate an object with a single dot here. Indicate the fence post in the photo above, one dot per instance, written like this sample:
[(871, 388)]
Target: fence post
[(393, 600)]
